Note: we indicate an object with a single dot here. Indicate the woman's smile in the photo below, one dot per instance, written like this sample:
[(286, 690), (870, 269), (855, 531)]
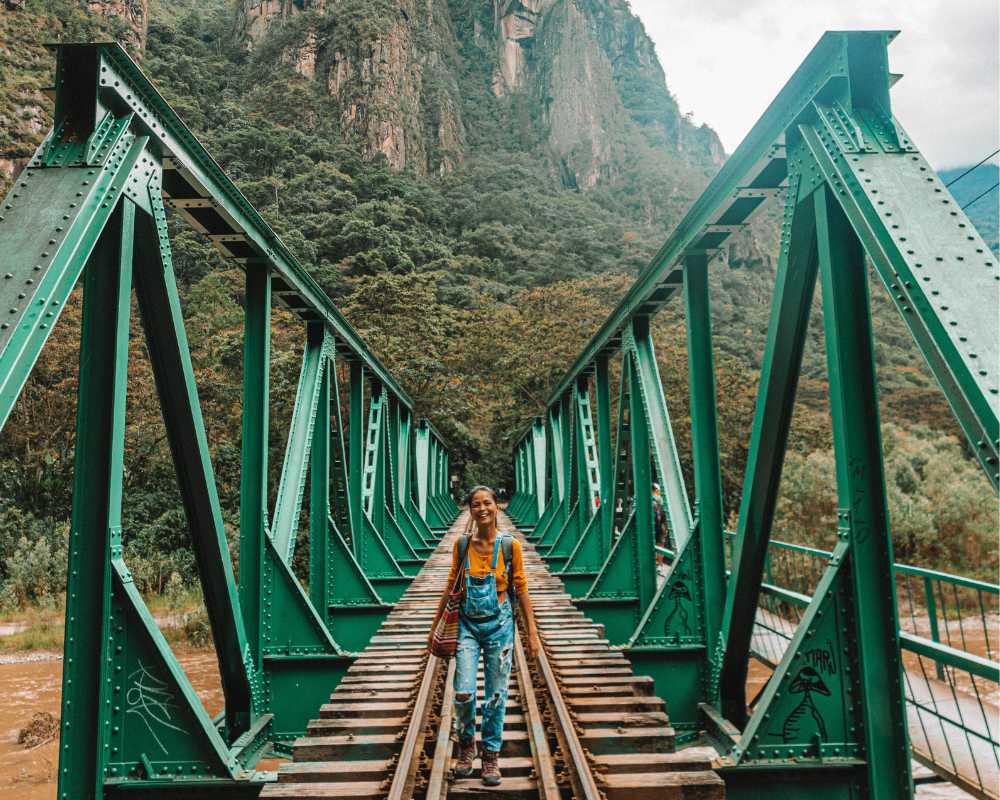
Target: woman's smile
[(483, 509)]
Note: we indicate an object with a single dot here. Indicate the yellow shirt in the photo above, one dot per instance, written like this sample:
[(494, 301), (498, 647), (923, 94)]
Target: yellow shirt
[(480, 567)]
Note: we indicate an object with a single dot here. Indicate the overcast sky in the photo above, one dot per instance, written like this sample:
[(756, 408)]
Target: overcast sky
[(726, 59)]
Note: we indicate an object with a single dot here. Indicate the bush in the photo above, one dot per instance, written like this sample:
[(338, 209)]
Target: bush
[(942, 511), (197, 631), (35, 569)]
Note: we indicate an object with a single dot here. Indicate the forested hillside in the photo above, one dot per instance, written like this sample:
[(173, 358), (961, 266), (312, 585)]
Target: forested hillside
[(475, 183)]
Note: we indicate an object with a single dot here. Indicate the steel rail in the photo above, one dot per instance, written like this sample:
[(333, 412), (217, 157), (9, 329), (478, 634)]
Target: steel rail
[(437, 782), (401, 787), (545, 770), (580, 772)]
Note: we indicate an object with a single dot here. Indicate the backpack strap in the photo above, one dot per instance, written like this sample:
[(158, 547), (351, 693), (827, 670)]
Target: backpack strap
[(507, 544)]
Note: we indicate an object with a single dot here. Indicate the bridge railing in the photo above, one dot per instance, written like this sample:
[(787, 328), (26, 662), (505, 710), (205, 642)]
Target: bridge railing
[(91, 207), (860, 201), (949, 626)]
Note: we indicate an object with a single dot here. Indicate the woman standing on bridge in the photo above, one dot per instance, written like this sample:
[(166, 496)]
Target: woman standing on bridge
[(494, 576)]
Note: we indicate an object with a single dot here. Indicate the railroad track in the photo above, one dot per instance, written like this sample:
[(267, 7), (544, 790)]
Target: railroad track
[(579, 723)]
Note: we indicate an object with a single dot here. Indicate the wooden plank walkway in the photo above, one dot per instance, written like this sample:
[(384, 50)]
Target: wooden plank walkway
[(619, 732)]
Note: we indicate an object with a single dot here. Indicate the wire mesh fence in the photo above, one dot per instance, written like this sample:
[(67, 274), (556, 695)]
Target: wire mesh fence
[(949, 627)]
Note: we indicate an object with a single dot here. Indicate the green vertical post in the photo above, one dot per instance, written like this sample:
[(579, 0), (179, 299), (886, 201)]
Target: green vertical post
[(526, 488), (421, 447), (389, 432), (442, 474), (356, 451), (96, 521), (319, 498), (863, 513), (642, 475), (605, 451), (556, 443), (537, 455), (529, 474), (432, 480), (400, 462), (705, 443), (340, 471), (376, 457), (253, 456), (930, 603), (567, 414)]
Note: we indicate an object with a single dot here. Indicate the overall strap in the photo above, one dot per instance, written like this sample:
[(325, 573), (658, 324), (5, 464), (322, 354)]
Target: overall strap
[(496, 553)]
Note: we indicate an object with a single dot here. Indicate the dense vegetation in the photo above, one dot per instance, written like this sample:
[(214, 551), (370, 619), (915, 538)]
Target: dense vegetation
[(477, 289)]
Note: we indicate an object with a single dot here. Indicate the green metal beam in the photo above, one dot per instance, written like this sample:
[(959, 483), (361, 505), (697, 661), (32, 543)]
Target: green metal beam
[(291, 489), (937, 269), (863, 512), (705, 445), (793, 292), (661, 434), (253, 475), (50, 223), (95, 530), (170, 358)]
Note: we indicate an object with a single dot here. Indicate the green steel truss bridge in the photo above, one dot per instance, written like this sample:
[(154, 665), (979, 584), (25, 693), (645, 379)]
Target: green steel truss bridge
[(871, 666)]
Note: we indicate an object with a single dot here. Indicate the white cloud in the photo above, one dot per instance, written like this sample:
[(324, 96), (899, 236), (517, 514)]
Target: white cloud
[(726, 59)]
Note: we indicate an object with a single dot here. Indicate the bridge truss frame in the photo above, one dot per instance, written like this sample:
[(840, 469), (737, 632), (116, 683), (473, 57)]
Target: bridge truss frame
[(856, 191), (93, 202)]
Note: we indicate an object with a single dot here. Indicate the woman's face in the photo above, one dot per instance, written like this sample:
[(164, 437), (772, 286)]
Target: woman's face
[(483, 509)]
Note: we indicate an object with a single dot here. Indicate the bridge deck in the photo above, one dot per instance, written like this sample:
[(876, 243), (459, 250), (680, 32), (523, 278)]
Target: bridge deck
[(950, 729), (384, 732)]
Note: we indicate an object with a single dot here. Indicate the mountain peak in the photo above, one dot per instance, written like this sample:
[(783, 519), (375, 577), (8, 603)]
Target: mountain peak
[(583, 72)]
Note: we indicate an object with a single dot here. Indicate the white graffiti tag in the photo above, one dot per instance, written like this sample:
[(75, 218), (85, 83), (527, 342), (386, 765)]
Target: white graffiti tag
[(149, 698)]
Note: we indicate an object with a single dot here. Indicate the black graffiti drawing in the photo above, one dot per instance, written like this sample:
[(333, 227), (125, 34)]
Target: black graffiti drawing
[(822, 659), (679, 593), (149, 699), (807, 682)]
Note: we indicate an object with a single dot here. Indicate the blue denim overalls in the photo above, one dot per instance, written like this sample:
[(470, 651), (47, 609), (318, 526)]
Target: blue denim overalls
[(487, 626)]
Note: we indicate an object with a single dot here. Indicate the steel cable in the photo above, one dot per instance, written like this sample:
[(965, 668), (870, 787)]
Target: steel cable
[(981, 196), (970, 169)]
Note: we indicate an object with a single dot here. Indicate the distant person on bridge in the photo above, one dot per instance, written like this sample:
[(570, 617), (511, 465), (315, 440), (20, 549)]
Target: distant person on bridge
[(494, 581), (659, 523)]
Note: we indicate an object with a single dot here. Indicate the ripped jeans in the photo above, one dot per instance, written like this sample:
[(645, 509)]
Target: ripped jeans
[(495, 639)]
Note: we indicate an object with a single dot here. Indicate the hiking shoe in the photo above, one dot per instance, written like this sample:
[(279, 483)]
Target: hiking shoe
[(466, 754), (491, 769)]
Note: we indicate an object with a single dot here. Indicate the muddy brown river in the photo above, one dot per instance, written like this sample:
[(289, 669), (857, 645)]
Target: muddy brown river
[(31, 686)]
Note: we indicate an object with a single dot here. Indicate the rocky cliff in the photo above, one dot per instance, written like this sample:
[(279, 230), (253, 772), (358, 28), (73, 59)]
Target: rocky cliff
[(593, 70), (584, 70), (389, 64), (132, 17)]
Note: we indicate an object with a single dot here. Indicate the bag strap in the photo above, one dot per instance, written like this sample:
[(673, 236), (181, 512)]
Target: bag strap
[(463, 548)]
